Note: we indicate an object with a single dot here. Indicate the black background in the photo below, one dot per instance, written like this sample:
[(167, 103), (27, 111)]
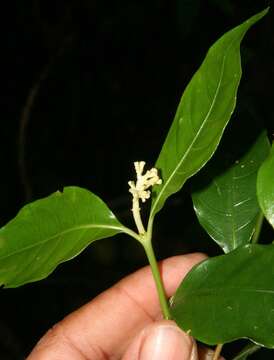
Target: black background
[(106, 78)]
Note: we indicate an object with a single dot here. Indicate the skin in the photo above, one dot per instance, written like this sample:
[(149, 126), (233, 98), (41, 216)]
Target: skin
[(116, 323)]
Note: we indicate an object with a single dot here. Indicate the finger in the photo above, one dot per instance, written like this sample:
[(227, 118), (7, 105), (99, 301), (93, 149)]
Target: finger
[(104, 327), (161, 341)]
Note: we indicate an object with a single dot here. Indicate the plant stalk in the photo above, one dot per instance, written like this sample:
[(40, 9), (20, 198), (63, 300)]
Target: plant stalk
[(247, 350), (217, 352), (137, 216), (157, 278), (145, 240)]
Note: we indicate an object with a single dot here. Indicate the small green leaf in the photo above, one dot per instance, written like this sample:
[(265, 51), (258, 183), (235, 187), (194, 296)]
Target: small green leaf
[(203, 112), (50, 231), (265, 187), (229, 297), (227, 206)]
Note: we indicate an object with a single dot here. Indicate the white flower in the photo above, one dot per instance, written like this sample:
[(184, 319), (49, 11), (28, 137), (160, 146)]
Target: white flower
[(139, 190)]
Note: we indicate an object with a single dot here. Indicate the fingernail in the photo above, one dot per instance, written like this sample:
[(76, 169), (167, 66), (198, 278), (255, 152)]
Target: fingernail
[(166, 342)]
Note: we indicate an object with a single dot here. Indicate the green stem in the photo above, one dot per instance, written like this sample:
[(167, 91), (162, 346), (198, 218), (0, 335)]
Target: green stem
[(157, 277), (137, 216), (248, 350), (258, 228), (145, 239)]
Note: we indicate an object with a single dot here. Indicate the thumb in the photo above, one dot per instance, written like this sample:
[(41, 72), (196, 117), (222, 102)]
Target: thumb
[(162, 340)]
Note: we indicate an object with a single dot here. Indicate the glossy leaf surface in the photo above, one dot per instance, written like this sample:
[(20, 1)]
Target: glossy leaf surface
[(227, 206), (229, 297), (203, 112), (50, 231), (265, 187)]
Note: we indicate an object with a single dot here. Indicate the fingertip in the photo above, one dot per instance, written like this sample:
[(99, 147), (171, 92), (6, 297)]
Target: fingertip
[(162, 340)]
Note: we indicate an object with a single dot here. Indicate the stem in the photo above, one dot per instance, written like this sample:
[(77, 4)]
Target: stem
[(258, 228), (248, 350), (145, 239), (137, 216), (132, 233), (217, 352), (157, 277)]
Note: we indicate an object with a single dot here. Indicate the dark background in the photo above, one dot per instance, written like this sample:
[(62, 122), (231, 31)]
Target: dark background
[(88, 87)]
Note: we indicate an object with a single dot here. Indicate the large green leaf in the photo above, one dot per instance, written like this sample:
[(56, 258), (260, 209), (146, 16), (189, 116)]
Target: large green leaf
[(203, 112), (229, 297), (227, 206), (50, 231), (265, 187)]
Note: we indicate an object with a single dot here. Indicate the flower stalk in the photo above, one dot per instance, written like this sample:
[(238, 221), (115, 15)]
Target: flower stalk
[(139, 191)]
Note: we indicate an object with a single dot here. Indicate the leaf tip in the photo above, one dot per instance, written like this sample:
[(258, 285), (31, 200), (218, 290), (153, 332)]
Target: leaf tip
[(260, 15)]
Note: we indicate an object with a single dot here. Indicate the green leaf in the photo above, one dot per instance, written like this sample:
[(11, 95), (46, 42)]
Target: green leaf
[(203, 112), (50, 231), (227, 206), (229, 297), (265, 187)]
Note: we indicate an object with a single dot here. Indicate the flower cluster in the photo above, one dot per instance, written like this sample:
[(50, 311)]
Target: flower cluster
[(139, 190)]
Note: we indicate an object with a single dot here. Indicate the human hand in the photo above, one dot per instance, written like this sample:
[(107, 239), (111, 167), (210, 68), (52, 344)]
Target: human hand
[(124, 322)]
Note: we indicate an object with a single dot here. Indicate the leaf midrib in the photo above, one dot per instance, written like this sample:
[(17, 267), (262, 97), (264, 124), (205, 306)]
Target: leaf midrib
[(195, 138), (80, 227)]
